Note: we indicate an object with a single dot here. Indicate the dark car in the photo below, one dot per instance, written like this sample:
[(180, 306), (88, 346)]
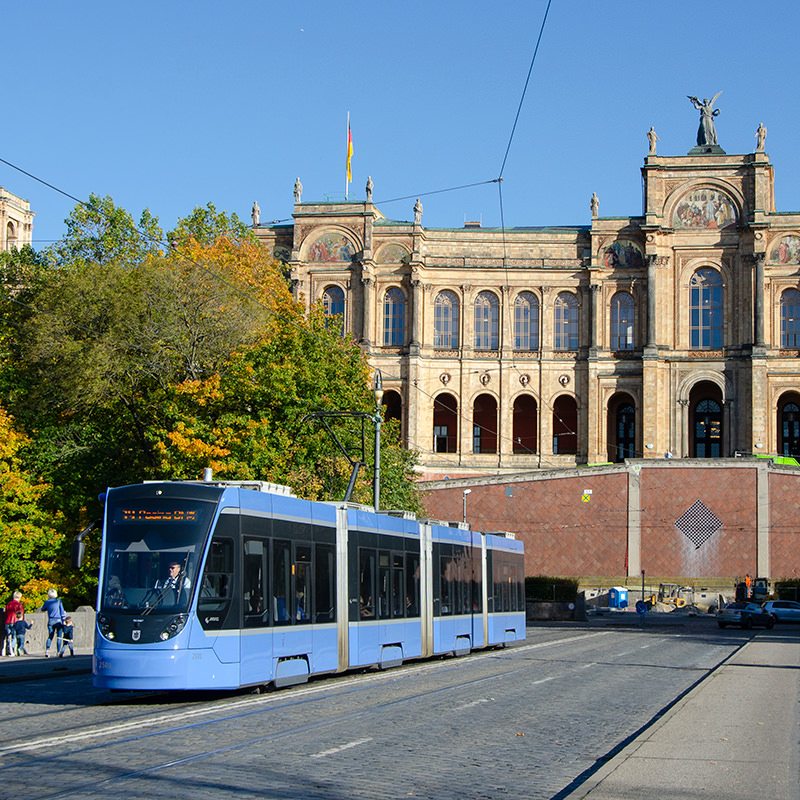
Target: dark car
[(783, 610), (746, 615)]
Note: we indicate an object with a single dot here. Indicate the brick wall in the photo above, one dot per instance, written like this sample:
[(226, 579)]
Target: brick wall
[(569, 532)]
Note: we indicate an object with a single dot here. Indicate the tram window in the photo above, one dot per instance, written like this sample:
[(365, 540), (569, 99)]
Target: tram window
[(476, 580), (302, 583), (398, 598), (412, 585), (325, 583), (281, 581), (446, 569), (366, 582), (383, 585), (216, 584), (255, 589)]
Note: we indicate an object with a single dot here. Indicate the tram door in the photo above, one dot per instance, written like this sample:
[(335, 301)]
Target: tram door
[(256, 641)]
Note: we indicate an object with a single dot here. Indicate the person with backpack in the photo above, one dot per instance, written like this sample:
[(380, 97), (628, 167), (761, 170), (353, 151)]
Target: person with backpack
[(13, 607), (55, 620)]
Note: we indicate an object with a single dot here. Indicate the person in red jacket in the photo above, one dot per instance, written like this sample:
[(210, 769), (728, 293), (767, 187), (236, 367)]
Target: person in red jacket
[(13, 607)]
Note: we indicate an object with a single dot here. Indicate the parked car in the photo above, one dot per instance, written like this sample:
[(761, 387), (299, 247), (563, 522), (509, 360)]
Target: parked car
[(746, 615), (783, 610)]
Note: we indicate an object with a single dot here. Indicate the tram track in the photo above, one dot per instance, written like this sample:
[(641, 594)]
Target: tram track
[(256, 703), (305, 741)]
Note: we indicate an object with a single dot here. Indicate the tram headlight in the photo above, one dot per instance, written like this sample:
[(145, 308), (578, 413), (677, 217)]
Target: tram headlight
[(104, 623), (173, 627)]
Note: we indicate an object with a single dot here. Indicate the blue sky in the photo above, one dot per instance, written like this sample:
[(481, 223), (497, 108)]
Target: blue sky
[(171, 104)]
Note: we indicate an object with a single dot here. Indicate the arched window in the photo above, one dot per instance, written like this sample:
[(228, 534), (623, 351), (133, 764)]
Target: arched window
[(487, 322), (565, 425), (525, 424), (790, 318), (445, 424), (11, 236), (526, 322), (394, 318), (705, 302), (707, 418), (566, 322), (392, 407), (622, 321), (484, 424), (625, 429), (333, 303), (445, 321), (789, 428)]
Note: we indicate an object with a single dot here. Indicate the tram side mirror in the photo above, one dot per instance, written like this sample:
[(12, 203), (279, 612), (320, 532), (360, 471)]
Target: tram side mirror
[(78, 551), (79, 546)]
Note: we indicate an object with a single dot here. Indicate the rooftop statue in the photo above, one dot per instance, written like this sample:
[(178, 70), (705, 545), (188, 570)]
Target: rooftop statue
[(706, 133)]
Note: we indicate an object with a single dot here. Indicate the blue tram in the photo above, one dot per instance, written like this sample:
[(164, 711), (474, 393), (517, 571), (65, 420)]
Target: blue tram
[(224, 585)]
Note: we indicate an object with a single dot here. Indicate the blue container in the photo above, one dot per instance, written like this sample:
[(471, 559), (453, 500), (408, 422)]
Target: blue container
[(618, 597)]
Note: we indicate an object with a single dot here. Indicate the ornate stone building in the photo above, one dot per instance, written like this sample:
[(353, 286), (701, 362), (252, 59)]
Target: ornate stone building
[(16, 221), (674, 333)]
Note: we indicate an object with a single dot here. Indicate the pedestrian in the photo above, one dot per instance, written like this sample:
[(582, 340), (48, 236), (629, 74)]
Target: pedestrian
[(68, 632), (55, 620), (21, 628), (14, 605)]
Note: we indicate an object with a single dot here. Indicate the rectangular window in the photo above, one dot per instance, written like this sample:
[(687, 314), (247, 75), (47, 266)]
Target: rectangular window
[(255, 583)]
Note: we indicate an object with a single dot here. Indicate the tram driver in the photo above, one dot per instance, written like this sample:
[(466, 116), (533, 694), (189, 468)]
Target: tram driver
[(173, 580)]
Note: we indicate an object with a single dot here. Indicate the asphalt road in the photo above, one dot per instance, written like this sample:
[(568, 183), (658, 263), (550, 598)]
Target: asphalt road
[(529, 721)]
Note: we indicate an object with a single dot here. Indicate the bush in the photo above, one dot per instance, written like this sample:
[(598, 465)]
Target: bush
[(551, 589)]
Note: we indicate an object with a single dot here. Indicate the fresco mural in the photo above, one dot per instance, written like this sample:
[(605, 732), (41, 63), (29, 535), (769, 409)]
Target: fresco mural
[(786, 251), (391, 254), (704, 208), (332, 247), (623, 253)]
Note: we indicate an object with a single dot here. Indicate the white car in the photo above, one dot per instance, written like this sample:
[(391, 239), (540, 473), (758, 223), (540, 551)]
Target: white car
[(783, 610)]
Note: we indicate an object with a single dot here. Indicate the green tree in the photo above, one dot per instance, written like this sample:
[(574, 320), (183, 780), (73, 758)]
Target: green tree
[(30, 537)]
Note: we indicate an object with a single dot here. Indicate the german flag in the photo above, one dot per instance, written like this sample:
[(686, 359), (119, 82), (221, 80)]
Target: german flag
[(349, 150)]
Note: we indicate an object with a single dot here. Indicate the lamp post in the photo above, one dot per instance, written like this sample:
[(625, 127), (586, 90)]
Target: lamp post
[(377, 393), (464, 497)]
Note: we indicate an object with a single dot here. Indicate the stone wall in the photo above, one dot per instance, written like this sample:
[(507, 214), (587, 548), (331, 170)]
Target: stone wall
[(692, 519)]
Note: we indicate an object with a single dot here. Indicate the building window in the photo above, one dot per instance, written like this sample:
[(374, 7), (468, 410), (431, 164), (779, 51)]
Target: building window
[(566, 322), (394, 318), (487, 322), (445, 424), (333, 303), (445, 321), (789, 426), (622, 321), (565, 425), (705, 303), (707, 429), (525, 424), (626, 433), (484, 428), (790, 318), (526, 322)]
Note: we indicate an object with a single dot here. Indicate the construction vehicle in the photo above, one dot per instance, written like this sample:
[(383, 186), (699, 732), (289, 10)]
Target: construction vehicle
[(669, 594)]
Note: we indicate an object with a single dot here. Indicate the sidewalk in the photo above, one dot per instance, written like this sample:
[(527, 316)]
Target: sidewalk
[(14, 669), (733, 737)]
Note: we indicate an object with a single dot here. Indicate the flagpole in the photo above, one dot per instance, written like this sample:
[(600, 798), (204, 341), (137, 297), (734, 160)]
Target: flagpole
[(347, 168)]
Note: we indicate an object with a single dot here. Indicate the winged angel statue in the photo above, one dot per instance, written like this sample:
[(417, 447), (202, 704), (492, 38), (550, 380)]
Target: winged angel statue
[(706, 133)]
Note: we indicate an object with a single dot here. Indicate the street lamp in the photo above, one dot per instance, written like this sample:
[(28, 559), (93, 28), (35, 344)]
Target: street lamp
[(464, 497), (377, 393)]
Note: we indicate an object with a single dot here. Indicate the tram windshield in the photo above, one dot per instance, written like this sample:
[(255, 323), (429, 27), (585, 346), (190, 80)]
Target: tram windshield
[(153, 550)]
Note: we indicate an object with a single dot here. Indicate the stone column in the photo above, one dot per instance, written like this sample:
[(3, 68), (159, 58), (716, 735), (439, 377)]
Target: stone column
[(595, 319), (368, 284), (651, 301), (758, 299), (416, 313)]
